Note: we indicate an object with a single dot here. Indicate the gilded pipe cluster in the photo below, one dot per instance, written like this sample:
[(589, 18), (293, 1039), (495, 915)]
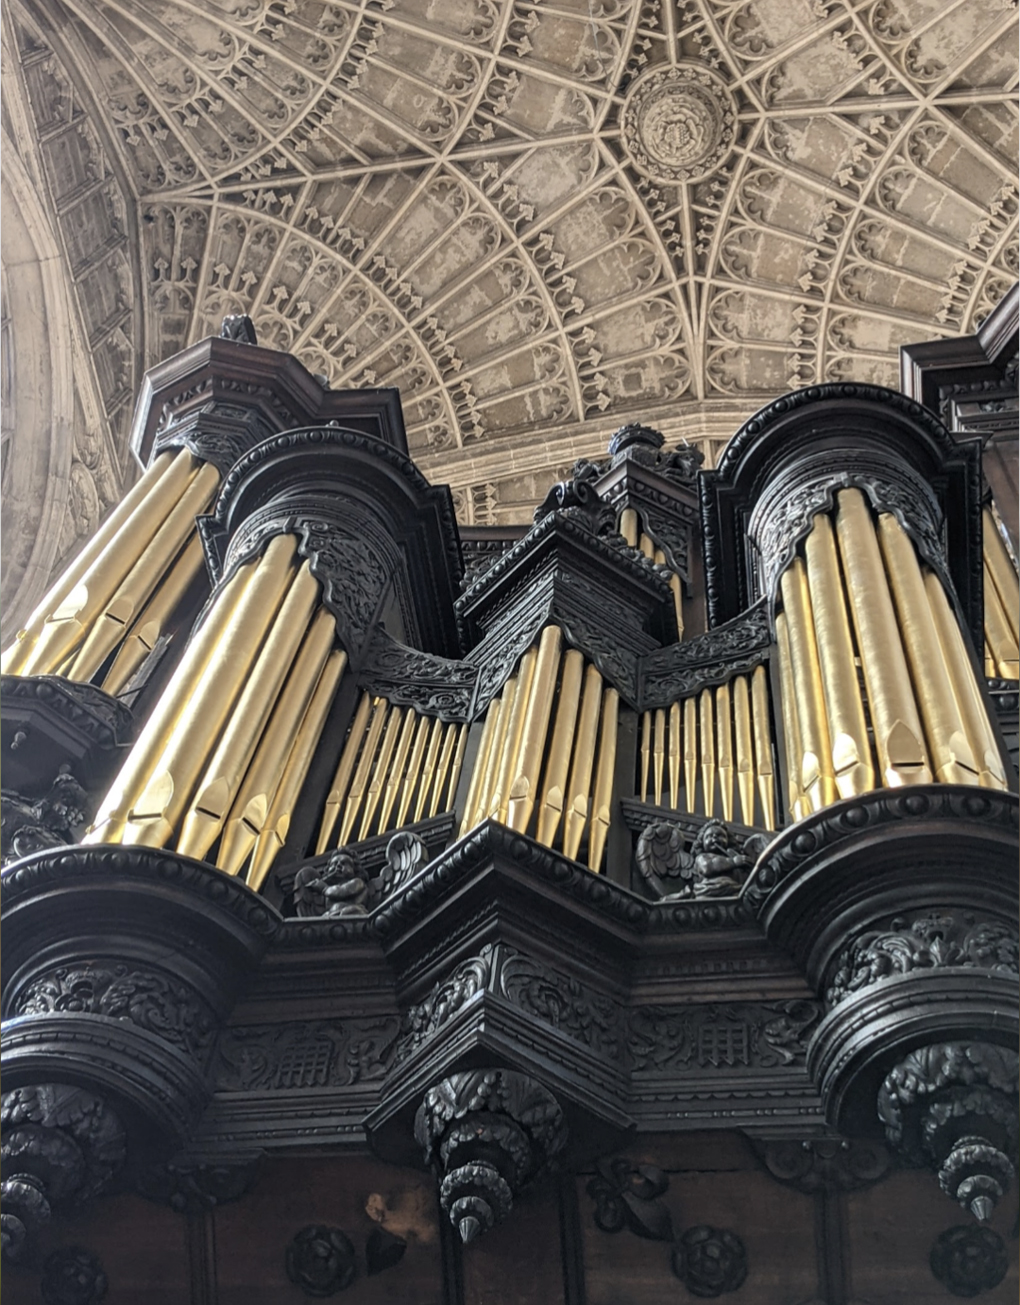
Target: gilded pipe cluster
[(859, 597), (543, 772), (629, 526), (1002, 605), (716, 743), (124, 586), (221, 759), (396, 767)]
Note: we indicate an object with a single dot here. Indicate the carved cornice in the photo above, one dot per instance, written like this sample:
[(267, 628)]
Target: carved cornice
[(434, 686), (708, 659)]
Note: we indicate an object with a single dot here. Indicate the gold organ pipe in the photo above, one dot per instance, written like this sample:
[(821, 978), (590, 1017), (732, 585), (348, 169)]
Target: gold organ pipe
[(816, 779), (458, 765), (1000, 564), (646, 752), (848, 731), (707, 724), (659, 753), (724, 745), (413, 769), (691, 752), (429, 767), (602, 798), (218, 786), (499, 804), (69, 620), (492, 765), (396, 771), (998, 632), (961, 673), (742, 739), (647, 547), (899, 738), (111, 623), (478, 771), (342, 776), (796, 803), (550, 811), (148, 747), (576, 811), (359, 781), (277, 827), (443, 768), (991, 671), (15, 657), (629, 526), (952, 757), (674, 756), (676, 589), (157, 811), (145, 632), (763, 746), (380, 771), (524, 785), (250, 809)]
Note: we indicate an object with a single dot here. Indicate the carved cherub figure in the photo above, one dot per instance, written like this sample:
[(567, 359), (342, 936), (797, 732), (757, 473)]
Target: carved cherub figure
[(49, 821), (336, 888), (720, 867)]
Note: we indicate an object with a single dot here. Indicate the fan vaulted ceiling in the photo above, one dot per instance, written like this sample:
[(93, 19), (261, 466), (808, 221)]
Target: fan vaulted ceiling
[(538, 219)]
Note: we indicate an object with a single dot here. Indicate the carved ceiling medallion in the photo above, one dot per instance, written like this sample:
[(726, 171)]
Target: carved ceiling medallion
[(679, 123)]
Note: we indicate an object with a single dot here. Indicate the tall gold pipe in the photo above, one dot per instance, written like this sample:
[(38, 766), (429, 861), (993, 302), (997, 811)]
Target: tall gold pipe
[(707, 730), (674, 756), (397, 770), (429, 768), (691, 752), (554, 790), (724, 746), (222, 777), (374, 792), (156, 812), (500, 801), (458, 764), (796, 803), (443, 767), (148, 747), (579, 783), (817, 780), (647, 547), (277, 827), (252, 807), (968, 699), (359, 781), (495, 757), (646, 752), (659, 752), (337, 795), (998, 632), (110, 623), (848, 731), (602, 798), (899, 738), (68, 621), (952, 758), (763, 746), (16, 655), (413, 776), (742, 741), (676, 589), (525, 776), (1000, 564), (471, 802), (151, 622), (629, 526)]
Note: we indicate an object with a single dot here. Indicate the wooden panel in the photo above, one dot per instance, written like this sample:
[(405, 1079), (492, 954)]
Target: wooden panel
[(518, 1263)]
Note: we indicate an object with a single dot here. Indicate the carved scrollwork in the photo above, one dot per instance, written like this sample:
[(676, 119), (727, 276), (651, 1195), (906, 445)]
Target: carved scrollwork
[(101, 718), (826, 1164), (187, 1188), (324, 1053), (627, 1196), (708, 659), (720, 1036), (434, 686)]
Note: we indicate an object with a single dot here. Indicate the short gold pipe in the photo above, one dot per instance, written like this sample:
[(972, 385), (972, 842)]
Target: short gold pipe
[(743, 748), (152, 621), (899, 738), (659, 753), (523, 789), (500, 801), (1004, 574), (983, 744), (550, 811), (458, 765), (472, 801), (68, 622), (998, 633), (277, 827), (110, 624), (250, 809), (359, 781), (216, 790), (647, 547), (676, 590), (443, 768), (791, 726), (157, 811), (602, 798), (413, 776), (847, 728), (429, 768), (398, 768), (337, 795), (950, 750), (579, 783), (629, 526), (674, 756), (763, 746), (15, 656), (195, 663), (707, 730), (816, 779), (376, 785), (724, 746), (691, 753), (646, 752)]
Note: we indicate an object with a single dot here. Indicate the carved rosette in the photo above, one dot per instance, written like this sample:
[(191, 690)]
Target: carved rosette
[(679, 123), (487, 1133)]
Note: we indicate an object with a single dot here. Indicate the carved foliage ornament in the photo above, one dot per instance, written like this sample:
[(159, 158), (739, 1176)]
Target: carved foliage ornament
[(72, 1276), (735, 1035), (710, 1261), (434, 686), (708, 659)]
